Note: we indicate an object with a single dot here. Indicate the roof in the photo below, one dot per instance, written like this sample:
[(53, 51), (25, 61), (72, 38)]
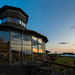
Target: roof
[(24, 29), (13, 8)]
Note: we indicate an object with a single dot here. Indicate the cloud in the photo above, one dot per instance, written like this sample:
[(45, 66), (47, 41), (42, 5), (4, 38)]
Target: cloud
[(63, 43), (73, 45), (73, 27)]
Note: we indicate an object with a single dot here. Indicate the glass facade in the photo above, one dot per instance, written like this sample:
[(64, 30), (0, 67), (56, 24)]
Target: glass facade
[(4, 47), (22, 47)]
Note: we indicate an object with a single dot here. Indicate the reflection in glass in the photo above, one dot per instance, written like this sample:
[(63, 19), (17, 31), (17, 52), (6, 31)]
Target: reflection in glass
[(2, 21), (27, 55), (4, 46), (34, 46), (9, 19), (13, 20), (17, 21), (4, 37), (43, 45), (15, 38), (16, 53), (27, 39), (24, 25), (4, 53), (40, 47), (20, 22), (34, 42)]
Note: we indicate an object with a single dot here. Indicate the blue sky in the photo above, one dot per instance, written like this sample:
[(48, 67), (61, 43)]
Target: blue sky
[(52, 18)]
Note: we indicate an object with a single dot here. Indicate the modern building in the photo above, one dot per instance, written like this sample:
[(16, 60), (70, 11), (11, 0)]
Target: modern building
[(17, 43)]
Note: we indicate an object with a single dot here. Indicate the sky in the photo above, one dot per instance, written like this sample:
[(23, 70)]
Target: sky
[(52, 18)]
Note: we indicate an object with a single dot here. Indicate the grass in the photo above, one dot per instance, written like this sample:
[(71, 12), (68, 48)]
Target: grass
[(65, 61)]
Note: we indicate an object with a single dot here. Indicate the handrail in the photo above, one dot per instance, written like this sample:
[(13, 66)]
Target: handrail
[(50, 62), (42, 57)]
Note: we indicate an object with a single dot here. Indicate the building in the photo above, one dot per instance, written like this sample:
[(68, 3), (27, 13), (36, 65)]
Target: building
[(17, 43)]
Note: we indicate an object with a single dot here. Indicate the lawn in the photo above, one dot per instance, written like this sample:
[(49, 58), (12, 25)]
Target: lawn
[(65, 60)]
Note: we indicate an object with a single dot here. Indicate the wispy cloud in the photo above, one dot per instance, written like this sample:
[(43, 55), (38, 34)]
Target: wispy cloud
[(73, 27), (73, 45), (63, 43)]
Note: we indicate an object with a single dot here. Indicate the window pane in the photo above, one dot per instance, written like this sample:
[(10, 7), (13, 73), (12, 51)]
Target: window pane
[(18, 21), (4, 53), (4, 37), (9, 19), (34, 42), (15, 38), (16, 53), (24, 25), (43, 44), (39, 41), (26, 39), (27, 55), (35, 48), (40, 47), (14, 20), (2, 21)]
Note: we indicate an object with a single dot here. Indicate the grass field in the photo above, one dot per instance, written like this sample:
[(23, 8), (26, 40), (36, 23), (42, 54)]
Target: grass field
[(65, 60)]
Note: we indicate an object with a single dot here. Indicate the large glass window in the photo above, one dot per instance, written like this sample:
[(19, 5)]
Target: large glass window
[(27, 39), (35, 47), (15, 38), (16, 47), (16, 53), (4, 47), (4, 37), (40, 47), (27, 54)]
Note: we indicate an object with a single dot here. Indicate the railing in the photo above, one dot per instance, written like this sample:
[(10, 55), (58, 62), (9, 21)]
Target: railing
[(59, 66)]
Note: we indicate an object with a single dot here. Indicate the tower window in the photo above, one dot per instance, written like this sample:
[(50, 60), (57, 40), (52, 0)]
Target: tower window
[(13, 20)]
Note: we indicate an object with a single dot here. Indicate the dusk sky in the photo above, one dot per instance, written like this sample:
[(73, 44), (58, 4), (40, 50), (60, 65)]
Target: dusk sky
[(52, 18)]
